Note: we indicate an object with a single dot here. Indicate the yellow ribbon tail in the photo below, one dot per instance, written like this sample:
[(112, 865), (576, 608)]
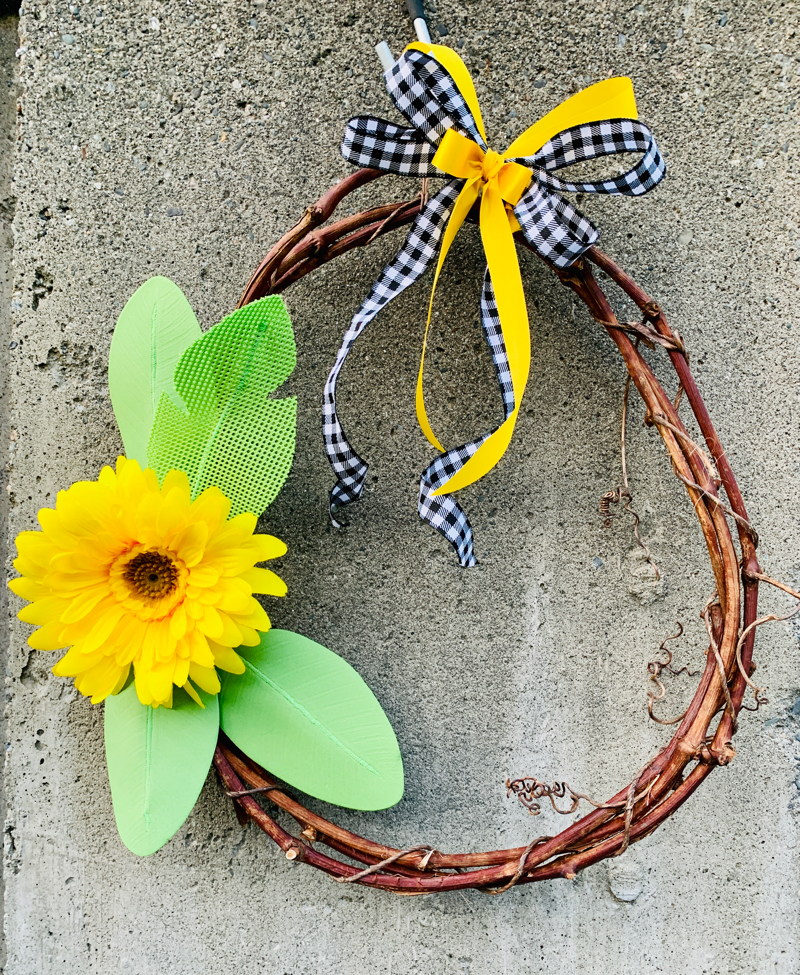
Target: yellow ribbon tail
[(501, 256), (422, 413), (461, 208), (484, 459)]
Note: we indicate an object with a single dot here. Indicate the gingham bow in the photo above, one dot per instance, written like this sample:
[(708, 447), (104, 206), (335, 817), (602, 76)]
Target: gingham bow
[(431, 87)]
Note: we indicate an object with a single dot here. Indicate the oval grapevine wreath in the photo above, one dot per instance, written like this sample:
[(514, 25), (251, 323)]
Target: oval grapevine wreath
[(149, 574)]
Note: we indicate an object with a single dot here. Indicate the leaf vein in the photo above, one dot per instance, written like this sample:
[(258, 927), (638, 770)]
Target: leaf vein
[(310, 717), (148, 766)]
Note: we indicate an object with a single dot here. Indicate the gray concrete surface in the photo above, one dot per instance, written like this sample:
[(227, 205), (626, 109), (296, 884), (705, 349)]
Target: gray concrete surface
[(182, 139), (8, 112)]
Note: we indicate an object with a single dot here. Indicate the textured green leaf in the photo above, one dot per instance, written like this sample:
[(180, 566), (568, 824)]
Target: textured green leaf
[(303, 713), (158, 760), (232, 434), (155, 328)]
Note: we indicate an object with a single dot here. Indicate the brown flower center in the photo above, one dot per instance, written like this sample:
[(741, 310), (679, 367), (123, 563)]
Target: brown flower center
[(151, 575)]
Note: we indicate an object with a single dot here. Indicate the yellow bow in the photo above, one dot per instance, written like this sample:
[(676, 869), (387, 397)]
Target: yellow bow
[(500, 184)]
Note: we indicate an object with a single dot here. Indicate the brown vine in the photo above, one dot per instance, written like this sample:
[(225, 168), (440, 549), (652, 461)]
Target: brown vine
[(623, 492), (703, 737), (656, 668)]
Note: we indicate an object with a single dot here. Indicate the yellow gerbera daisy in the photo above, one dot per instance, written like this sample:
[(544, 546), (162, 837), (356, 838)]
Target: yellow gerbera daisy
[(127, 573)]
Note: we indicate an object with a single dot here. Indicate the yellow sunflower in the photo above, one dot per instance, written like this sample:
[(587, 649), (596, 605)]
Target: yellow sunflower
[(127, 573)]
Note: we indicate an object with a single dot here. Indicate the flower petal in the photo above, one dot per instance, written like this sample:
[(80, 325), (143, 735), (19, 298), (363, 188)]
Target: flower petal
[(159, 680), (203, 576), (54, 530), (49, 637), (264, 581), (128, 638), (256, 618), (75, 662), (212, 507), (230, 561), (250, 637), (46, 610), (205, 677), (158, 633), (189, 688), (231, 636), (36, 547), (194, 609), (28, 589), (101, 631), (179, 481), (190, 543), (172, 514), (227, 659), (101, 680), (178, 622), (143, 691), (181, 672), (123, 680), (245, 523), (199, 649), (267, 547), (211, 623), (83, 603)]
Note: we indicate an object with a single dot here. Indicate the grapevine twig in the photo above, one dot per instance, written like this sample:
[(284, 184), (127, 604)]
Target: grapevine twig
[(624, 493)]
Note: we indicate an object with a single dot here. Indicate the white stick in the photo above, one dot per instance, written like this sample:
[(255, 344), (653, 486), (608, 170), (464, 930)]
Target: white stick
[(384, 55), (422, 32)]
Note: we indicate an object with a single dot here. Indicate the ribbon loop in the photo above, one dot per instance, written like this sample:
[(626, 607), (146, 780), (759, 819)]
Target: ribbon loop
[(518, 190)]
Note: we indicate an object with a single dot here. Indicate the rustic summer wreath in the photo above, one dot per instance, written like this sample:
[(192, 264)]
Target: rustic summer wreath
[(699, 744), (149, 573)]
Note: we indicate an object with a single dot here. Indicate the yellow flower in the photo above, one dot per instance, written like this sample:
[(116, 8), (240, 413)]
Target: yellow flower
[(127, 573)]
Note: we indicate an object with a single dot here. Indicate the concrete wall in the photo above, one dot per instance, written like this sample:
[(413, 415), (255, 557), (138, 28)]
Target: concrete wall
[(182, 139)]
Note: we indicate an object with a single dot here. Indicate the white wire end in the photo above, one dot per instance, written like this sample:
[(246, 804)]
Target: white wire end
[(384, 55), (421, 30)]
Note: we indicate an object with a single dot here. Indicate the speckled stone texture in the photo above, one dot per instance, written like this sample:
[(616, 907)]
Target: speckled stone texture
[(182, 139)]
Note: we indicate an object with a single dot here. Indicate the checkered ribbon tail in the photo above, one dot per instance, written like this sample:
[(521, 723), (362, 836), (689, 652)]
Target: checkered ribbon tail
[(415, 256), (426, 95), (443, 513)]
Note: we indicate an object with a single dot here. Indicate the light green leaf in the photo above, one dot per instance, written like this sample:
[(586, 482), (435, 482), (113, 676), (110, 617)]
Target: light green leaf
[(232, 435), (155, 328), (306, 716), (158, 760)]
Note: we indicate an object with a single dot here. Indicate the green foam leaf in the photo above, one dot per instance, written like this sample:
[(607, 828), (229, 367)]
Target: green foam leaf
[(232, 434), (303, 713), (158, 760), (155, 328)]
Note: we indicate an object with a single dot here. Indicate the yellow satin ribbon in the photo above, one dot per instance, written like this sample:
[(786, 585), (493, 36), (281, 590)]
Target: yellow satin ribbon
[(500, 184)]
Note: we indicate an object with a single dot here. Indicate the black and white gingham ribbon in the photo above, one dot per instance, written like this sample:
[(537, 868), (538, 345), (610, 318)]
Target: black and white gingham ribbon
[(425, 93)]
